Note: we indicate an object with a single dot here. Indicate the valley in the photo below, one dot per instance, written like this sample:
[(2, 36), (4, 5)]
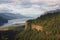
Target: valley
[(45, 27)]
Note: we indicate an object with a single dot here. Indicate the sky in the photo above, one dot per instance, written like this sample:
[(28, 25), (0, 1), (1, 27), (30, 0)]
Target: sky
[(29, 7)]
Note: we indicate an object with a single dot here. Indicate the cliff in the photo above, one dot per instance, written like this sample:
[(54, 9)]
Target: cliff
[(45, 27), (37, 27), (48, 20)]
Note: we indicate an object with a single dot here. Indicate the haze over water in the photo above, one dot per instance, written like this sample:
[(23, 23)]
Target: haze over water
[(16, 21)]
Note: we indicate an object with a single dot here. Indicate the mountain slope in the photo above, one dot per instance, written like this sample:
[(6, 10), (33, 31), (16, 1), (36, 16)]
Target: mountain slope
[(11, 16), (2, 21), (50, 22)]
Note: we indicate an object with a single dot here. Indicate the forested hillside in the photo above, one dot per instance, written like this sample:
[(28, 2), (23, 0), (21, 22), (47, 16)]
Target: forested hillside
[(50, 22)]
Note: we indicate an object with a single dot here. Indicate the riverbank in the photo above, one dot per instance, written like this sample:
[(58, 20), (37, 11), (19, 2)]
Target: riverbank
[(12, 26)]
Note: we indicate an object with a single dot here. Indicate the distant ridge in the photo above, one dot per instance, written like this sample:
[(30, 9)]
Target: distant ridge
[(3, 20), (12, 16)]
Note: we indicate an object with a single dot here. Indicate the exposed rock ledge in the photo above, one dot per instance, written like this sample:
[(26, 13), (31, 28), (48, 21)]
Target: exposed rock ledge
[(37, 27), (33, 26)]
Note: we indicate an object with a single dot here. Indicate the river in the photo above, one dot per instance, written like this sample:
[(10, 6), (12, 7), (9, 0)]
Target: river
[(16, 21)]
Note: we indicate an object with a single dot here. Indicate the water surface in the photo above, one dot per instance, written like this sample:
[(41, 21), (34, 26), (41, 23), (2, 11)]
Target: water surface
[(16, 21)]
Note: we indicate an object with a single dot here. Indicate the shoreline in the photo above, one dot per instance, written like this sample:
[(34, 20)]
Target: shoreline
[(13, 25)]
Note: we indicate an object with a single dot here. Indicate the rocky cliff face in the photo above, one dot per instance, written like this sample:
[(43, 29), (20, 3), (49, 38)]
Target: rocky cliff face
[(33, 26), (26, 25), (37, 27)]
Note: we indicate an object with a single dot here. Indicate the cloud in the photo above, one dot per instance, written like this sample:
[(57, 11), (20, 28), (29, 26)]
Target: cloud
[(29, 7), (1, 7)]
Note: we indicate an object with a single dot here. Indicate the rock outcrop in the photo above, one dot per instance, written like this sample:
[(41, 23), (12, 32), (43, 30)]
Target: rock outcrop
[(37, 27)]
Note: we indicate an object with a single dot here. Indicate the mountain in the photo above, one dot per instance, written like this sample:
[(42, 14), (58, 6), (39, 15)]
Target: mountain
[(2, 21), (49, 19), (45, 27), (12, 16)]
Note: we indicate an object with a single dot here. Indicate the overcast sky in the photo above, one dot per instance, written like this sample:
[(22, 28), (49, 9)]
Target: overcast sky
[(29, 7)]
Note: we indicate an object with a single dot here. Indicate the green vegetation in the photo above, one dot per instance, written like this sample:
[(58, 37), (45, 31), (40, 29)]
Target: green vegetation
[(9, 33), (51, 28)]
